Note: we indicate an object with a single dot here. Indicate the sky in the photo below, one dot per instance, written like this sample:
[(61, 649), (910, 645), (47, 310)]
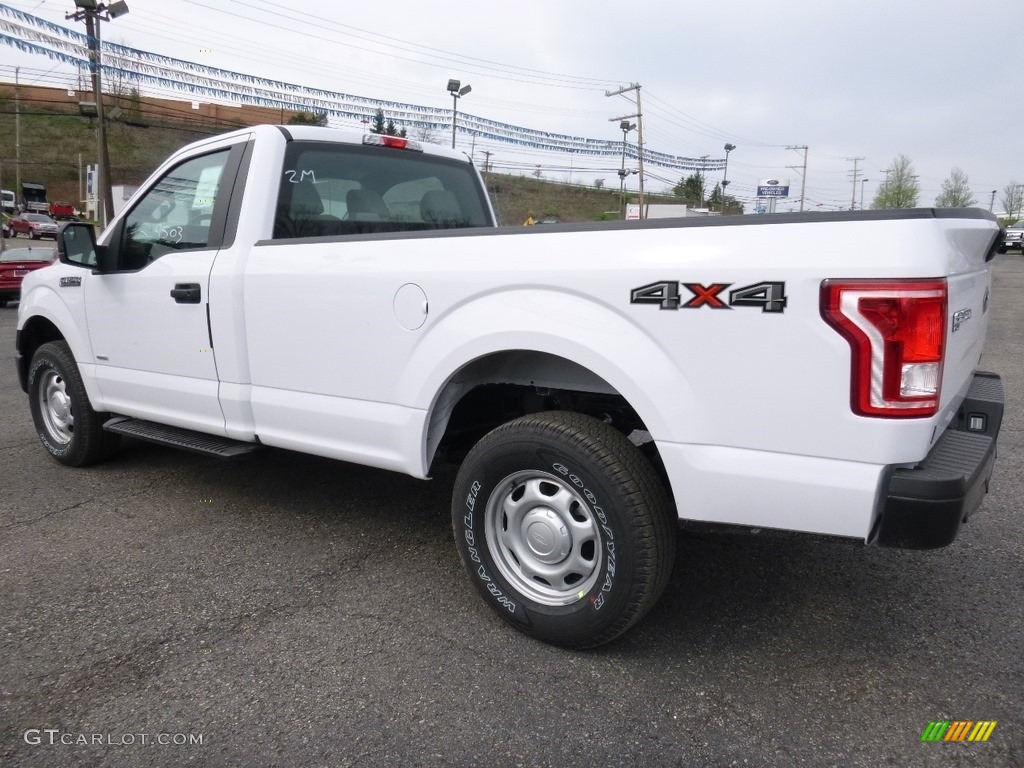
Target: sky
[(941, 81)]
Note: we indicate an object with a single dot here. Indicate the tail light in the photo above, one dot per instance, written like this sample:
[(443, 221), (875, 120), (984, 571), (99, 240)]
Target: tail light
[(897, 335)]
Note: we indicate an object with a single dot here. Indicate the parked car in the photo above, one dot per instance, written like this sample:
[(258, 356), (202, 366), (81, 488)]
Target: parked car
[(60, 209), (15, 264), (1013, 237), (34, 225)]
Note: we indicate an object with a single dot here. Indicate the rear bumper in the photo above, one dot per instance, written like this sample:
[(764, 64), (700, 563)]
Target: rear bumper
[(924, 507)]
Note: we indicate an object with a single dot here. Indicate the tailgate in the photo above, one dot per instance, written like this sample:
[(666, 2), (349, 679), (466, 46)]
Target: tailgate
[(971, 246)]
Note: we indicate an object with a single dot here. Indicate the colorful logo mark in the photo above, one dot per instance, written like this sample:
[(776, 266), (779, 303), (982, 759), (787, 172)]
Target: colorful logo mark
[(959, 730)]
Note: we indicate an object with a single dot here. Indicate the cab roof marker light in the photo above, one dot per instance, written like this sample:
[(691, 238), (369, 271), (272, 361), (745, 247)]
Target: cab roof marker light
[(897, 335), (395, 142)]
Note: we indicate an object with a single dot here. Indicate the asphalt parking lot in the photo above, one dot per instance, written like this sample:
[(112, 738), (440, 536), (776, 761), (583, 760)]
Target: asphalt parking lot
[(166, 609)]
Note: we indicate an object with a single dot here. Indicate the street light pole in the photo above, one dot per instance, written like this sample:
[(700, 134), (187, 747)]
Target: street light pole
[(626, 127), (456, 89), (862, 193), (725, 173)]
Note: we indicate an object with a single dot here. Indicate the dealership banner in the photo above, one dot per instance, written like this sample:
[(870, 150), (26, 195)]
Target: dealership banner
[(32, 34)]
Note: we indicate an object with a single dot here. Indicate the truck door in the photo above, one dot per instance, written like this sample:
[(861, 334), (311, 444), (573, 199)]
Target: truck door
[(147, 309)]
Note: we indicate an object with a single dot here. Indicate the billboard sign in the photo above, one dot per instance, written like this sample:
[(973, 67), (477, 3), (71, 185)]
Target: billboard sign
[(773, 188)]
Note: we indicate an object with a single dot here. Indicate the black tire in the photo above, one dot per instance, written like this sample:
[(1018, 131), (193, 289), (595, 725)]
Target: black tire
[(1001, 249), (564, 527), (67, 425)]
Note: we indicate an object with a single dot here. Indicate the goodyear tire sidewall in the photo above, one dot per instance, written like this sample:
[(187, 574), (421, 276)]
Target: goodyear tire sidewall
[(601, 604), (41, 363)]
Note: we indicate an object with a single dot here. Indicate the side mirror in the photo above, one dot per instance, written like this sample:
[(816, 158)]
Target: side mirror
[(76, 245)]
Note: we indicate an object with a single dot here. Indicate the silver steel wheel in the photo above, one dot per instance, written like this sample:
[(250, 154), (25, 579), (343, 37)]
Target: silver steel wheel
[(55, 407), (543, 537)]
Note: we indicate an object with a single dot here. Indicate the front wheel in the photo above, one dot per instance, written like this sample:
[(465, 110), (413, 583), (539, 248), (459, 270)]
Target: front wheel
[(67, 425), (565, 528)]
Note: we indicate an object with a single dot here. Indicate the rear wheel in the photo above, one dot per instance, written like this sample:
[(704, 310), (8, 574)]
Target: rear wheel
[(565, 528), (67, 425)]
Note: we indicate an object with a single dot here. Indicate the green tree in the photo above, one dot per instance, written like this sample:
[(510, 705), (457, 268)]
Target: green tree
[(308, 118), (387, 128), (956, 191), (723, 202), (900, 188), (691, 189)]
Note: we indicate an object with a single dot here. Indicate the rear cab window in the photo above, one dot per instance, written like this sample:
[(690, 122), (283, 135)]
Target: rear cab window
[(345, 189)]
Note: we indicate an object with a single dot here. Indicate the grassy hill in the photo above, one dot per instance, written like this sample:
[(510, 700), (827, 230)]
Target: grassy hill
[(51, 141)]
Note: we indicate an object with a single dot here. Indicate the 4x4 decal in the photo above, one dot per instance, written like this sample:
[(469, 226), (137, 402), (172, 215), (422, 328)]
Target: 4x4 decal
[(667, 294)]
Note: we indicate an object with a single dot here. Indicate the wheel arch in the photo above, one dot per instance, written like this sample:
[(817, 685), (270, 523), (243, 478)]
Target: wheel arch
[(47, 318), (604, 355), (520, 375)]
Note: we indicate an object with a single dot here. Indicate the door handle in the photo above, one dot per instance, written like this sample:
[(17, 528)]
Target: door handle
[(186, 293)]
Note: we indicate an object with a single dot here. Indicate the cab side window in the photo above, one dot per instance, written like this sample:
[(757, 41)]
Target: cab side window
[(175, 214)]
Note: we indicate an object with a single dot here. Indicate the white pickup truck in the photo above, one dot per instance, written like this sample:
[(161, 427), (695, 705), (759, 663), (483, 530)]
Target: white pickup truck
[(349, 296)]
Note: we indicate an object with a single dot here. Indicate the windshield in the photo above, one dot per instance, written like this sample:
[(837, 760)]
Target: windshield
[(1017, 225), (37, 217)]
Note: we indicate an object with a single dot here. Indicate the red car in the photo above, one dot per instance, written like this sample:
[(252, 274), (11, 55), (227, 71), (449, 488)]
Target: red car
[(34, 225), (15, 264), (62, 210)]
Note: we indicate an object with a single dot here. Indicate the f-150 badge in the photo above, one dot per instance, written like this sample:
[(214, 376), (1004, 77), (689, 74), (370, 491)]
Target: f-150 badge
[(959, 318), (667, 294)]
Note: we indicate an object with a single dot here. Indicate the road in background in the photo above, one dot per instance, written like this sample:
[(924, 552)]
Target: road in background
[(294, 611)]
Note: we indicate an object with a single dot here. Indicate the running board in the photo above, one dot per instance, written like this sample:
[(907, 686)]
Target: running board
[(177, 437)]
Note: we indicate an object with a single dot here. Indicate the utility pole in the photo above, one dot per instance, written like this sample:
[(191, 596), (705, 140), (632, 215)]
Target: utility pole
[(703, 184), (17, 138), (802, 172), (487, 160), (639, 135), (93, 13), (856, 173), (106, 194), (1, 211)]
